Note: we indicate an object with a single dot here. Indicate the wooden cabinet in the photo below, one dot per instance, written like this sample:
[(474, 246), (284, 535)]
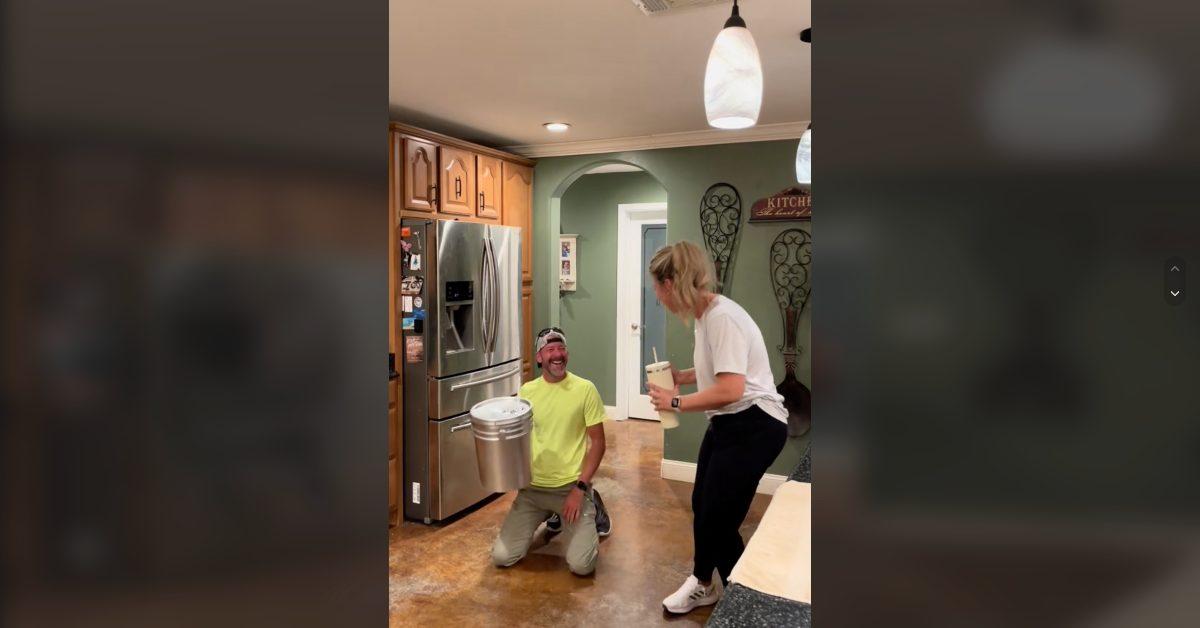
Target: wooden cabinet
[(488, 179), (395, 450), (420, 175), (518, 211), (456, 193), (447, 178), (527, 332), (393, 220), (441, 177)]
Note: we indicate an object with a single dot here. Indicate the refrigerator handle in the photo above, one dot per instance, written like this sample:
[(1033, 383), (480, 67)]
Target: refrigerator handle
[(486, 380), (493, 303), (495, 312), (487, 319), (485, 293)]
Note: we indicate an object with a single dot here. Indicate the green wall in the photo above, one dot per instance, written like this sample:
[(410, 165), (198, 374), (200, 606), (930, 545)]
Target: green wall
[(589, 208), (756, 169)]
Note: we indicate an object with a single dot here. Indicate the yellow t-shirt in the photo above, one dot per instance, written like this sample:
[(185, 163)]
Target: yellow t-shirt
[(562, 413)]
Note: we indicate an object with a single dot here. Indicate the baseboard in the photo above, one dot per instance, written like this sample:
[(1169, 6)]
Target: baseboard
[(686, 472), (611, 413)]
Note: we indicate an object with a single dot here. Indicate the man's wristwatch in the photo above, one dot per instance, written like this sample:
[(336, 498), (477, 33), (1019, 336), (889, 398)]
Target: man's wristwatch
[(584, 486), (675, 402)]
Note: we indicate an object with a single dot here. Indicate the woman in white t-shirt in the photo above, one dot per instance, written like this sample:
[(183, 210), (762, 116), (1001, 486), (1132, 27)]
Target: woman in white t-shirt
[(747, 420)]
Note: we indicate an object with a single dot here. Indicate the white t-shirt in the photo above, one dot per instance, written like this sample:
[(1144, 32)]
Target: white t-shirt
[(728, 341)]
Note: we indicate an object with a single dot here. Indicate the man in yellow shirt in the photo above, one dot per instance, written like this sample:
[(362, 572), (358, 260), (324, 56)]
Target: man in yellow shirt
[(567, 446)]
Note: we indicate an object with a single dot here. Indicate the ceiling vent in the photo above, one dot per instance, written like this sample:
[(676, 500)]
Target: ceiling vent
[(658, 7)]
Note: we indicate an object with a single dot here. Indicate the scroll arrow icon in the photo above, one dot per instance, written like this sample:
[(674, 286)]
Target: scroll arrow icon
[(1174, 293), (1174, 269)]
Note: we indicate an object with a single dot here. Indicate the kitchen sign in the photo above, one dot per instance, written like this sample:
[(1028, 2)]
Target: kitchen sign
[(790, 204)]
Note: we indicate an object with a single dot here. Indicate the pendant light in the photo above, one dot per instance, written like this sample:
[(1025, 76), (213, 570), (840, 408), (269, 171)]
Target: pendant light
[(804, 158), (733, 81), (804, 148)]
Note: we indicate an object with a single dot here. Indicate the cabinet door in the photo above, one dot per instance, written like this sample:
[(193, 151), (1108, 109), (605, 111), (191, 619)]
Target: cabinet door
[(395, 175), (391, 315), (393, 486), (518, 211), (393, 469), (527, 332), (457, 189), (487, 170), (420, 175), (392, 431)]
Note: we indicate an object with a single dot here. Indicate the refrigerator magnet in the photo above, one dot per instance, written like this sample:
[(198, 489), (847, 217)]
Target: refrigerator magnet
[(418, 302), (414, 262), (408, 323), (411, 285), (406, 303), (414, 349)]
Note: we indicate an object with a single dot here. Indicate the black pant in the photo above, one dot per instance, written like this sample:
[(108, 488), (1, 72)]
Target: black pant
[(736, 452)]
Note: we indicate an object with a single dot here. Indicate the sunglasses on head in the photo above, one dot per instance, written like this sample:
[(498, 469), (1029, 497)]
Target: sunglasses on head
[(548, 330)]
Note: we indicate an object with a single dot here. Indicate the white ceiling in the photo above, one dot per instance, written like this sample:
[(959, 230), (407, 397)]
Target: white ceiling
[(493, 71)]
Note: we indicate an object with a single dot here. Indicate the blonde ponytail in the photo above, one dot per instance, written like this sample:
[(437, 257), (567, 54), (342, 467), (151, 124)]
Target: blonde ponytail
[(690, 271)]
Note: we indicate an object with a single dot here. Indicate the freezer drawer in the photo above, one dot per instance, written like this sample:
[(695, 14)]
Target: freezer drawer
[(452, 396), (453, 467)]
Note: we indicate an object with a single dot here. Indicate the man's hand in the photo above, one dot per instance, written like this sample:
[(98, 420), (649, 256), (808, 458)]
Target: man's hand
[(661, 397), (571, 507)]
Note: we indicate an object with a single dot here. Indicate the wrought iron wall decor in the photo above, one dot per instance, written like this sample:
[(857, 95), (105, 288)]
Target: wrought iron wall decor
[(720, 220), (790, 260)]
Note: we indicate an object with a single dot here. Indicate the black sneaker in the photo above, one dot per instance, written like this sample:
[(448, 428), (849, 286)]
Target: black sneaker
[(554, 523), (603, 521)]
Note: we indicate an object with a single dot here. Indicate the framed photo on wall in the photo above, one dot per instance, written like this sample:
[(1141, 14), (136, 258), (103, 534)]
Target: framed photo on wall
[(567, 264)]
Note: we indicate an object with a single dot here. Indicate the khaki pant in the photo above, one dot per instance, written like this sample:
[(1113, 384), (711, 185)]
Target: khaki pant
[(531, 507)]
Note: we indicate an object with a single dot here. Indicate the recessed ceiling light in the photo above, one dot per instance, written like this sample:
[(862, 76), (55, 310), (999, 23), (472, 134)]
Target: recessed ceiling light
[(557, 127)]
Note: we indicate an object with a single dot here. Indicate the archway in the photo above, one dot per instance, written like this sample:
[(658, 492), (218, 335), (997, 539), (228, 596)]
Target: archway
[(603, 308)]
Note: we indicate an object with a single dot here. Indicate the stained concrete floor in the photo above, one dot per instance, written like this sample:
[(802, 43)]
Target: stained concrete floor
[(441, 575)]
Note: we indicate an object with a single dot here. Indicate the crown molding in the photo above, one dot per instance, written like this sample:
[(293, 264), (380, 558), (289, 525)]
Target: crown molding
[(759, 133), (446, 140)]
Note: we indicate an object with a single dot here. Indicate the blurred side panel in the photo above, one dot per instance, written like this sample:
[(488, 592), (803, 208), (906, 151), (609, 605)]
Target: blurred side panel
[(1005, 399), (194, 296)]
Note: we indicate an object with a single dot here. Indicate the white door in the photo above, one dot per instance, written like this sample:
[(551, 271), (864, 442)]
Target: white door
[(634, 340)]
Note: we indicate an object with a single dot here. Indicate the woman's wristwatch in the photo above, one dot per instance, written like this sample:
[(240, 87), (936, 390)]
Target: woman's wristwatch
[(675, 402), (584, 486)]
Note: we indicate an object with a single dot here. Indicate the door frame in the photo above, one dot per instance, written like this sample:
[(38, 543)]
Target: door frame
[(630, 219)]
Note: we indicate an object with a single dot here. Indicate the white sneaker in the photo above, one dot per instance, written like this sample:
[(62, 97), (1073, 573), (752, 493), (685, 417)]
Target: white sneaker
[(691, 595)]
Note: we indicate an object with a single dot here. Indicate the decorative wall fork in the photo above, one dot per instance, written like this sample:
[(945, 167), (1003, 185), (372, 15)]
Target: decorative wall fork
[(720, 220), (790, 259)]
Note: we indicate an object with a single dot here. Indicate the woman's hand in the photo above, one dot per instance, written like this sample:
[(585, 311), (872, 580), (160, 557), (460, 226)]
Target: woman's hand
[(684, 377), (570, 509), (661, 397)]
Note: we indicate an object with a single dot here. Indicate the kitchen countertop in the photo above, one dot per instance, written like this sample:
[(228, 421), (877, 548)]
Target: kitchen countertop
[(743, 606)]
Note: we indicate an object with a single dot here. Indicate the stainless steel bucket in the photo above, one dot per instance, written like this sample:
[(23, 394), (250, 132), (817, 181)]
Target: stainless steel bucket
[(503, 429)]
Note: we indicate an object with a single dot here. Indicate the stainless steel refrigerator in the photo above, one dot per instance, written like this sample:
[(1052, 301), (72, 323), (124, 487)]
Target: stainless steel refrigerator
[(460, 299)]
